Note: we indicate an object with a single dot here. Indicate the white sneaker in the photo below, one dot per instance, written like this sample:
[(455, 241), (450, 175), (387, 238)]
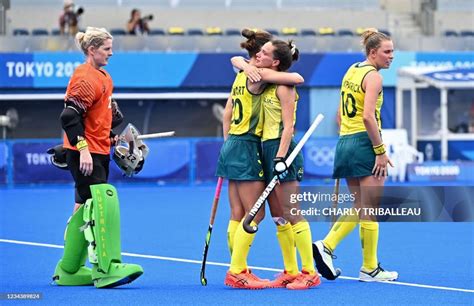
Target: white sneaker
[(377, 275), (323, 258)]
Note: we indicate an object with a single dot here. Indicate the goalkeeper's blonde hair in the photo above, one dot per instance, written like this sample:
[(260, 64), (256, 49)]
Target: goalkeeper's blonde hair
[(94, 37)]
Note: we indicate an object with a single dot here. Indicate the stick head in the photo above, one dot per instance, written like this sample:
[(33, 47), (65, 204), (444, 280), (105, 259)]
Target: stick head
[(250, 229), (203, 280)]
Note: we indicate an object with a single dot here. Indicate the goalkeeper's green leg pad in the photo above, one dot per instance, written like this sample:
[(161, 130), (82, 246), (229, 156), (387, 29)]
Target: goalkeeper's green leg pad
[(102, 231), (70, 270)]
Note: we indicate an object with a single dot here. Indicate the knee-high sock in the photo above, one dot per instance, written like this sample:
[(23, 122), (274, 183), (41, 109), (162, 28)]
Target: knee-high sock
[(343, 226), (75, 244), (242, 243), (286, 239), (304, 245), (369, 237), (231, 228)]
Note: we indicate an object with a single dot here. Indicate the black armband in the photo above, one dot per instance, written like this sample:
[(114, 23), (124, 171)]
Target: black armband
[(72, 123)]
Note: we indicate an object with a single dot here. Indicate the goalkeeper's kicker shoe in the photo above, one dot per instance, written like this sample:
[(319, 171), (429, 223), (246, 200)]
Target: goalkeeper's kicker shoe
[(323, 257), (282, 280), (305, 281), (377, 275), (243, 280), (83, 277), (119, 274)]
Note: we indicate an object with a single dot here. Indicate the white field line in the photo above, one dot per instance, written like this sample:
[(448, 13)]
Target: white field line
[(212, 263)]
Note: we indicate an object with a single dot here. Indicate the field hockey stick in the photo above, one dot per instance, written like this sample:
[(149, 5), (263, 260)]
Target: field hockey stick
[(209, 230), (334, 202), (261, 200), (156, 135)]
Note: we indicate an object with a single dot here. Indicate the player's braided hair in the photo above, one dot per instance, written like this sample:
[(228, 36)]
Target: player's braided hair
[(372, 39), (255, 40), (94, 37)]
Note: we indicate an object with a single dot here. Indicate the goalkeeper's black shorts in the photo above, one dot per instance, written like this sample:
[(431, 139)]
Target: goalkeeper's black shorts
[(100, 174)]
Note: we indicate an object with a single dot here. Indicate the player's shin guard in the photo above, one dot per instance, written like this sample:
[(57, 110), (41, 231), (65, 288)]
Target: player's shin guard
[(369, 238), (242, 243), (231, 228), (102, 231), (304, 245), (70, 270), (286, 239)]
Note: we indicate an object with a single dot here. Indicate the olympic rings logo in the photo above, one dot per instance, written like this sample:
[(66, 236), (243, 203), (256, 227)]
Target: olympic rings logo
[(321, 156)]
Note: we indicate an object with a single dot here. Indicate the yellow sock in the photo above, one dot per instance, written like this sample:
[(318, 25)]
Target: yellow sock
[(286, 239), (343, 227), (304, 245), (231, 228), (242, 243), (369, 237)]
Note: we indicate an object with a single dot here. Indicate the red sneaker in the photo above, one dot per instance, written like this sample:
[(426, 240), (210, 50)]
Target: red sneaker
[(282, 280), (255, 277), (305, 281), (243, 280)]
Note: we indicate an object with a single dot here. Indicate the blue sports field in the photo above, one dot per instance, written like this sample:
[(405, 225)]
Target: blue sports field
[(163, 229)]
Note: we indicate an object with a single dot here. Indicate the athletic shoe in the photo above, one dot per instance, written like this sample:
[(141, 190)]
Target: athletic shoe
[(377, 275), (243, 280), (255, 277), (304, 280), (282, 280), (323, 257)]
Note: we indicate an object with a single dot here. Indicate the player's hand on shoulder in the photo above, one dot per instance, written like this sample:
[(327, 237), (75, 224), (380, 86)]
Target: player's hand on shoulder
[(252, 73)]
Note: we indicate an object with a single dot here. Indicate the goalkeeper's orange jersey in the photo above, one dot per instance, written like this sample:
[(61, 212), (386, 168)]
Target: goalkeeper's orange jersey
[(90, 89)]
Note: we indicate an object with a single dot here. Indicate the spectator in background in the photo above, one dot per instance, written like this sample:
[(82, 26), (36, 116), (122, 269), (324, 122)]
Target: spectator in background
[(69, 19), (138, 25)]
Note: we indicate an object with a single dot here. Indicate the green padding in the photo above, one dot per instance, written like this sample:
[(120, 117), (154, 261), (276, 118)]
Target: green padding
[(75, 244), (102, 216)]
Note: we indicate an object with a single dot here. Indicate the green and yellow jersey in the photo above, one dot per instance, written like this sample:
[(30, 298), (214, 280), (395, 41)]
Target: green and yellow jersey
[(246, 109), (272, 120), (352, 100)]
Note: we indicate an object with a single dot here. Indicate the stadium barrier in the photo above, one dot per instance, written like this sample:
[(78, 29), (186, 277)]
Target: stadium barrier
[(192, 161)]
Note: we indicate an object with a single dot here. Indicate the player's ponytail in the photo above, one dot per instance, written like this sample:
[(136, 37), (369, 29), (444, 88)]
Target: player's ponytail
[(94, 37), (255, 40), (285, 52), (371, 38)]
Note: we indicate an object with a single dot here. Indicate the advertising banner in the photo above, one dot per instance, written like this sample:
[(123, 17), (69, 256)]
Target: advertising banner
[(168, 162), (207, 153), (31, 164), (319, 158), (197, 70), (435, 171)]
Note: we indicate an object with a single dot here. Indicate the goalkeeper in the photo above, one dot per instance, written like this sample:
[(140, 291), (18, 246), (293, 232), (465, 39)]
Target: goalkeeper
[(87, 119)]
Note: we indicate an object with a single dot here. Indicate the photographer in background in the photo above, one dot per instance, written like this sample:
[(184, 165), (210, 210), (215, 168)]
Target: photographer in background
[(138, 25), (69, 19)]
